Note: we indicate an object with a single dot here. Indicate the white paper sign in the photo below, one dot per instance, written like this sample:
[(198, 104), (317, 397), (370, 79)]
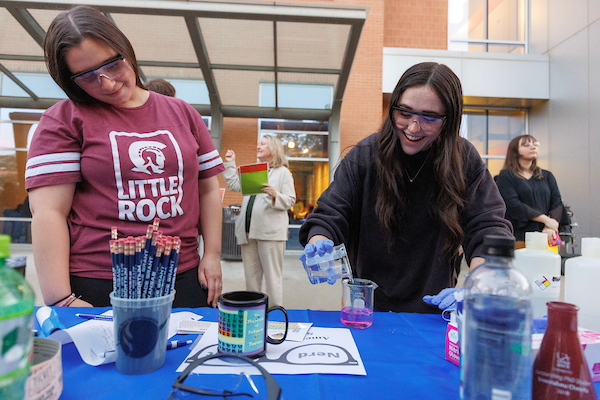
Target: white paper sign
[(323, 351)]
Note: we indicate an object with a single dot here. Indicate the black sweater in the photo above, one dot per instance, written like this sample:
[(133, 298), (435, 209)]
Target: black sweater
[(529, 198), (415, 264)]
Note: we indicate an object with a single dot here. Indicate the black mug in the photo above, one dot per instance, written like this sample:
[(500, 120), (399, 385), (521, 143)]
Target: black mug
[(243, 323)]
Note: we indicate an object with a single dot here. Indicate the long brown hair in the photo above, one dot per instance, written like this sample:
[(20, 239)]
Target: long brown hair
[(68, 30), (448, 164), (511, 162)]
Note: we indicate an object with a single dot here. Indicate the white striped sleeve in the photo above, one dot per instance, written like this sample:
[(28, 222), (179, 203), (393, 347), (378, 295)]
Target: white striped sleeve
[(52, 163), (209, 160)]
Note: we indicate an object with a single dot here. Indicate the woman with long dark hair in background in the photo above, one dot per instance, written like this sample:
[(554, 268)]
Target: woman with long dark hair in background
[(533, 202)]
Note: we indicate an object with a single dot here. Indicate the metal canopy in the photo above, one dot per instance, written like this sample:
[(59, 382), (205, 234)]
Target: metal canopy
[(234, 47)]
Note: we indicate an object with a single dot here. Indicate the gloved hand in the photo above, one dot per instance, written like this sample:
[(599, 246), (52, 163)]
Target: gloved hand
[(446, 299), (320, 248), (540, 324)]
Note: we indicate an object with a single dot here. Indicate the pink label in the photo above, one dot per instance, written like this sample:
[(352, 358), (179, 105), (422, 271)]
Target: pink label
[(452, 349)]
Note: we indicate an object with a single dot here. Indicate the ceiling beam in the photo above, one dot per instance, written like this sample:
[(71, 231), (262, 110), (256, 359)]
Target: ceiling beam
[(202, 55), (16, 80), (269, 11)]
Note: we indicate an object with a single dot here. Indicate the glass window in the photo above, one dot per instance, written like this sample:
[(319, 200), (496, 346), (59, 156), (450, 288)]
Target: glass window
[(494, 26), (42, 85), (192, 92), (490, 131), (296, 95), (16, 129)]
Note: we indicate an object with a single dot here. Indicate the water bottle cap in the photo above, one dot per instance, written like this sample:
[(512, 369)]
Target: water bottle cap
[(590, 247), (501, 246), (4, 246), (536, 240)]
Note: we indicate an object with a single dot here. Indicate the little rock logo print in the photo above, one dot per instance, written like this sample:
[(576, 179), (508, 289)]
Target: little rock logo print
[(149, 175), (147, 157)]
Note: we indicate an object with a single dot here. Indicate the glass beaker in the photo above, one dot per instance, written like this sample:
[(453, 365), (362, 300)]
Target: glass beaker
[(357, 302)]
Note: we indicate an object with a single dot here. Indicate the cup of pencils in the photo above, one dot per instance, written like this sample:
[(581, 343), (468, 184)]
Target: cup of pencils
[(144, 271)]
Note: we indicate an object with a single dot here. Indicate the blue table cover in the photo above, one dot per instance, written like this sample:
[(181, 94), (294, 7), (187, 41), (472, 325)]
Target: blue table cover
[(403, 355)]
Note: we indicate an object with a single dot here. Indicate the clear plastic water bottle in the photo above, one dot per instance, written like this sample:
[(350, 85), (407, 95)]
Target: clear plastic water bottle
[(16, 323), (496, 361)]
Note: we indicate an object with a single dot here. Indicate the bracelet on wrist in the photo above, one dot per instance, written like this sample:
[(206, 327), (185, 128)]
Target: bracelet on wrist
[(72, 300), (61, 300)]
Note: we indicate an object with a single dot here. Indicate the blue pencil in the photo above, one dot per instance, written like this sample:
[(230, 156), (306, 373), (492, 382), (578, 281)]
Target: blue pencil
[(155, 267), (113, 257), (145, 256), (139, 243), (127, 269), (120, 267), (149, 265), (173, 264), (161, 276)]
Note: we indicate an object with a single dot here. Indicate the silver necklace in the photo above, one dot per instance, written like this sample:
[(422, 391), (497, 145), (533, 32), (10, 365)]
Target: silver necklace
[(411, 180)]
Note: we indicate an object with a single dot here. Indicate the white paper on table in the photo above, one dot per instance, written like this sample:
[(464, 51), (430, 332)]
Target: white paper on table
[(95, 339), (296, 330), (323, 351)]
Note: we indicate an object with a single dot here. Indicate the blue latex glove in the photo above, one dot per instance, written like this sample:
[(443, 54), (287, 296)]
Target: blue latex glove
[(320, 247), (446, 299), (540, 324)]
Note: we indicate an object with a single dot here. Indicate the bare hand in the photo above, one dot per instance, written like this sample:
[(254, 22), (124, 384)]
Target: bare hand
[(230, 156), (209, 275), (270, 190), (551, 223), (552, 234)]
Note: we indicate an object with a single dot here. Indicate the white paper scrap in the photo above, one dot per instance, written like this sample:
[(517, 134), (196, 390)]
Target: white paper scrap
[(95, 339)]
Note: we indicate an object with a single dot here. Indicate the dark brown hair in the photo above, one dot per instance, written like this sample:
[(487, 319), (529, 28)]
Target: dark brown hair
[(511, 162), (161, 86), (446, 150), (68, 30)]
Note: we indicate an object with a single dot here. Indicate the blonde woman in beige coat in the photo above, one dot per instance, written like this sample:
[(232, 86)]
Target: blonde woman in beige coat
[(262, 233)]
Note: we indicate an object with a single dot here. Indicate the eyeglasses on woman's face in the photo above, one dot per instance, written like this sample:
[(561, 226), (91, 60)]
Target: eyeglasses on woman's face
[(427, 122), (111, 69), (530, 144)]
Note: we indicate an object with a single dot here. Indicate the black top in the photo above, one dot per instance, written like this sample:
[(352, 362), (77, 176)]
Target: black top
[(415, 264), (529, 198)]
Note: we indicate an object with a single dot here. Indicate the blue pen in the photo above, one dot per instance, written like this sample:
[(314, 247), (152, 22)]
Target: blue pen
[(95, 316), (175, 344)]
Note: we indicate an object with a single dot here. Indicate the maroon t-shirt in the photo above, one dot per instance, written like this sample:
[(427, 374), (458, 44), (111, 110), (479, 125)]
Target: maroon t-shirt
[(130, 166)]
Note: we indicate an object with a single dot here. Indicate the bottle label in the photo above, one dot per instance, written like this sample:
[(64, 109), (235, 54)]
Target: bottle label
[(16, 339), (547, 284), (563, 381)]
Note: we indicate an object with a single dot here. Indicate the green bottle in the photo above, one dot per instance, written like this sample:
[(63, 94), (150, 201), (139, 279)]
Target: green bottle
[(16, 323)]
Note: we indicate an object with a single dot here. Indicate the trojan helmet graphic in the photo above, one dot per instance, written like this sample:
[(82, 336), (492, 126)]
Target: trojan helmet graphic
[(146, 155)]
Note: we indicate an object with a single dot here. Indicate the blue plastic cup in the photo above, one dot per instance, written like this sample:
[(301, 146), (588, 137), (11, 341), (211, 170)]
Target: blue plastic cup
[(141, 327)]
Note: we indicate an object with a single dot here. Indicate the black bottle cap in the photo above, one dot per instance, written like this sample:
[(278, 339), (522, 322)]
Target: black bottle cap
[(500, 246)]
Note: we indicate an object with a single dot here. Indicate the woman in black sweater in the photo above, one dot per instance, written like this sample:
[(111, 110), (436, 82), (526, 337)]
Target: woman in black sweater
[(533, 202)]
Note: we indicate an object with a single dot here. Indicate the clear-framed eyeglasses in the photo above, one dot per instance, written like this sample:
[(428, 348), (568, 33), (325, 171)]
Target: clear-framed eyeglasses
[(245, 384), (531, 144), (427, 122), (111, 69)]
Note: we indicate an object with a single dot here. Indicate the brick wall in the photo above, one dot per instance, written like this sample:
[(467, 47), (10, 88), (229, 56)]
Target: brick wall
[(421, 24)]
